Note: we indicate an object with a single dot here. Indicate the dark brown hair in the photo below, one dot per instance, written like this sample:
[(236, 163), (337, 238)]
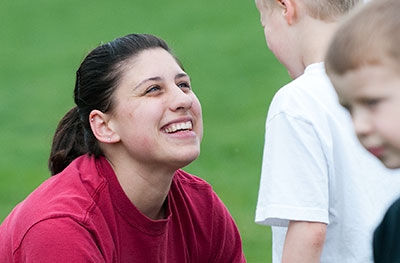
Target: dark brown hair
[(96, 81)]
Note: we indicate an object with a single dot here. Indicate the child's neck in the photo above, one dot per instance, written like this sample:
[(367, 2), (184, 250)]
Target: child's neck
[(316, 38)]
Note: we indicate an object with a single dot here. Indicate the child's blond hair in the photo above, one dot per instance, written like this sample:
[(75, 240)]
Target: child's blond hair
[(369, 36), (322, 9)]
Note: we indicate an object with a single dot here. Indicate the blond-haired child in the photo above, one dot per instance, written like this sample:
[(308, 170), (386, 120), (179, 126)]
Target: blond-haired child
[(363, 62), (320, 190)]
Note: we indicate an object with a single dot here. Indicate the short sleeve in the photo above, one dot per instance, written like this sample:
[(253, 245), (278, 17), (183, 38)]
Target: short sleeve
[(58, 240), (387, 236), (294, 177), (226, 244)]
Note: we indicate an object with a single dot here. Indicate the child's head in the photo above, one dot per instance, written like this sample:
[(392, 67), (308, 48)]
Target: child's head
[(298, 31), (318, 9), (363, 62)]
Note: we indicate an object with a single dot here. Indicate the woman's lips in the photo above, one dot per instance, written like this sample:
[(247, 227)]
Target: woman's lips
[(180, 126)]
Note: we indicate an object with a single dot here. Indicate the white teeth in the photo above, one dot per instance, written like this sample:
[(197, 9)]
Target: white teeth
[(179, 126)]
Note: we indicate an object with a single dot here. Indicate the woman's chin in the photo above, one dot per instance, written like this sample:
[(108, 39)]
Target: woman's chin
[(185, 160)]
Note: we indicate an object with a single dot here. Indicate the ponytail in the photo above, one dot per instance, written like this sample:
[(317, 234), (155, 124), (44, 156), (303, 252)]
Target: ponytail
[(68, 142)]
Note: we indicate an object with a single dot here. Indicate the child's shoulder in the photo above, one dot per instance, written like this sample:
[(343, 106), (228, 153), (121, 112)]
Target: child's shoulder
[(309, 92), (314, 80)]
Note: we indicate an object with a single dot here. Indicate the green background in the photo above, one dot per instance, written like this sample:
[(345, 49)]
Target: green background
[(222, 47)]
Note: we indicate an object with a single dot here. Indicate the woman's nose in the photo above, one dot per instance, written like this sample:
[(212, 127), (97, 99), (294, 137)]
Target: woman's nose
[(180, 99)]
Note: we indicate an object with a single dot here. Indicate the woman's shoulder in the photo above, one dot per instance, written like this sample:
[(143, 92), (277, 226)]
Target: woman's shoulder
[(72, 191), (65, 195), (191, 187), (190, 180), (211, 218), (196, 191)]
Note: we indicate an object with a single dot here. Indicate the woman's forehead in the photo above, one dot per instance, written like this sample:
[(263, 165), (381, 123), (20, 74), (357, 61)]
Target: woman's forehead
[(151, 64), (153, 58)]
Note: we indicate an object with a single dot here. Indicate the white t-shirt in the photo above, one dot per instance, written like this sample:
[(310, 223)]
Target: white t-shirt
[(314, 169)]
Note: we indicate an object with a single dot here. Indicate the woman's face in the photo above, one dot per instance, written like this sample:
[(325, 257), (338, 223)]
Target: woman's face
[(156, 114)]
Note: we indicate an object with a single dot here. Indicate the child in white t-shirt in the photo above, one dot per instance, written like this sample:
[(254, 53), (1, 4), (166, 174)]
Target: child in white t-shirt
[(321, 192), (363, 62)]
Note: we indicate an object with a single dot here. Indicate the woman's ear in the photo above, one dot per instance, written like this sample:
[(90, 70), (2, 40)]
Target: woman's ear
[(99, 123), (289, 10)]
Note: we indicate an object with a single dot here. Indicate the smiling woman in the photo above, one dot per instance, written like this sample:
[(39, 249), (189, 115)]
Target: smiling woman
[(118, 194)]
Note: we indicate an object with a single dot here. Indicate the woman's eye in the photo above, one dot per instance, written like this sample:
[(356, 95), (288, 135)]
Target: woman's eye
[(184, 85), (152, 89)]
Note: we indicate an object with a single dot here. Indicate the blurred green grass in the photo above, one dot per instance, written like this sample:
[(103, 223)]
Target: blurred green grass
[(222, 47)]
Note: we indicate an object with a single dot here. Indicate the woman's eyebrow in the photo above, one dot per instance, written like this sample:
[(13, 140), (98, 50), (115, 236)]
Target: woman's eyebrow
[(146, 80), (181, 75)]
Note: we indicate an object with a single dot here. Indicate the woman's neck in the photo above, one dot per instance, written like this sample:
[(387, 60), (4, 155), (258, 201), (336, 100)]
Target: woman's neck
[(147, 188)]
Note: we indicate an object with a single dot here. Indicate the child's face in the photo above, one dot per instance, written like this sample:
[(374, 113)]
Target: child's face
[(276, 34), (372, 95), (272, 26)]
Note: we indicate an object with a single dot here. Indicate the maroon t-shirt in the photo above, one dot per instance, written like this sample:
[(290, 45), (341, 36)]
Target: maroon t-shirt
[(83, 215)]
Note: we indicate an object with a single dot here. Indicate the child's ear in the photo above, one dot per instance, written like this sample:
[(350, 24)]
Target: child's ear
[(102, 128), (289, 10)]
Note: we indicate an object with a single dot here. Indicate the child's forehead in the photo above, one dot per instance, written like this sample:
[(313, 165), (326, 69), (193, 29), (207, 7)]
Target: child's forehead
[(381, 61), (370, 78)]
